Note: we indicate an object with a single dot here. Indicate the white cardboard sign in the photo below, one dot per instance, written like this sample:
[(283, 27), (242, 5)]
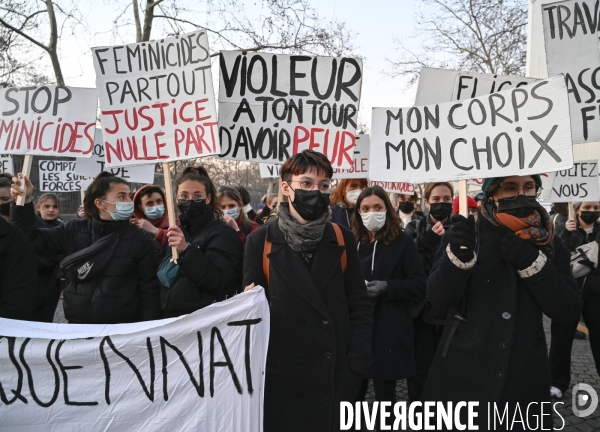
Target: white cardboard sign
[(445, 85), (59, 176), (571, 38), (97, 163), (579, 183), (272, 106), (6, 164), (203, 371), (269, 170), (395, 187), (520, 131), (157, 100), (47, 120)]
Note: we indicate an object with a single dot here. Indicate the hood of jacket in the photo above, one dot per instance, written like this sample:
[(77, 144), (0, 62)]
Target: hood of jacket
[(140, 214)]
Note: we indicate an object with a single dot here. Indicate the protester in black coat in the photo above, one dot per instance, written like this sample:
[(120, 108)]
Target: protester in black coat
[(321, 316), (18, 273), (211, 265), (395, 281), (497, 280), (128, 289), (428, 320)]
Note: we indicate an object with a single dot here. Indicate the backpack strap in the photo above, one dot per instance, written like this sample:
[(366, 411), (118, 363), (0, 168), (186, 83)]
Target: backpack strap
[(340, 240), (266, 261)]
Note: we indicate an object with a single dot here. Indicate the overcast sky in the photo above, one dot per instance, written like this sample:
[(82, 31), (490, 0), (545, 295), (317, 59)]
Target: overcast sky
[(376, 23)]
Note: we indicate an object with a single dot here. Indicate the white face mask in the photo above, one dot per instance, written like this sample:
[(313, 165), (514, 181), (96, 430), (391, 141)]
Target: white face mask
[(353, 195), (373, 221)]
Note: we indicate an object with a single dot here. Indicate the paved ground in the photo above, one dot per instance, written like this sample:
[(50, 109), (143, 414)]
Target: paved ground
[(583, 371)]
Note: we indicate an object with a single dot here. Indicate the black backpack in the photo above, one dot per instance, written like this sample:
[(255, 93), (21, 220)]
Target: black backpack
[(90, 262)]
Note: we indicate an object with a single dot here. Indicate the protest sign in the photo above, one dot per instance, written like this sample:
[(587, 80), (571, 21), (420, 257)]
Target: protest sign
[(579, 183), (360, 166), (571, 39), (97, 163), (47, 120), (521, 131), (203, 371), (399, 188), (269, 170), (476, 182), (272, 106), (444, 85), (157, 100), (6, 164), (59, 176)]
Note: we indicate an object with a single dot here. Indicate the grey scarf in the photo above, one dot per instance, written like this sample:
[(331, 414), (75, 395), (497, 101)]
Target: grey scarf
[(301, 238)]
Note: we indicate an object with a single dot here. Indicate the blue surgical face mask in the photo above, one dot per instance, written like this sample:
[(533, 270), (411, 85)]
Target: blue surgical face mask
[(234, 213), (124, 211), (155, 212)]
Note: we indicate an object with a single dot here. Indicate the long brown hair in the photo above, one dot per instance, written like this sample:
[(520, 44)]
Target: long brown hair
[(339, 194), (393, 223)]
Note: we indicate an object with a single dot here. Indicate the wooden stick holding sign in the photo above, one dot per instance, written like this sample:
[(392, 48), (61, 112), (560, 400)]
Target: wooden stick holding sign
[(571, 211), (170, 204), (462, 198), (26, 171)]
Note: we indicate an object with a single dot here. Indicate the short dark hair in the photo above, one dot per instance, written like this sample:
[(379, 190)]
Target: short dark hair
[(393, 223), (5, 180), (303, 162), (430, 186), (200, 175), (146, 191), (98, 188), (244, 194)]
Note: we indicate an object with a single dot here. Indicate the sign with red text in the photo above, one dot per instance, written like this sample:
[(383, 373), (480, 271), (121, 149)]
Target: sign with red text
[(97, 163), (157, 100), (395, 187), (47, 120), (571, 38), (360, 166), (6, 164), (203, 371), (520, 131), (272, 106)]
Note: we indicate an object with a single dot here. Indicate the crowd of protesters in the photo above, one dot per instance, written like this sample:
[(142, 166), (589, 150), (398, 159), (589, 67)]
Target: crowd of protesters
[(358, 289)]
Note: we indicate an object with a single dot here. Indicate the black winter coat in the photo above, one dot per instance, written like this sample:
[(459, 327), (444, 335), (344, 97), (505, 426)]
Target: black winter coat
[(211, 269), (498, 353), (399, 264), (49, 285), (18, 273), (419, 229), (321, 327), (589, 284), (128, 291), (342, 216)]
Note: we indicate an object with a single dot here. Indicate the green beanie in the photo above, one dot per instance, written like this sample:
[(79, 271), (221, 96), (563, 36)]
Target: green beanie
[(491, 180)]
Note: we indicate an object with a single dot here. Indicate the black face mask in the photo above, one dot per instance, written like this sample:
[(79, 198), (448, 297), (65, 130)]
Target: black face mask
[(406, 207), (440, 211), (589, 217), (192, 209), (521, 206), (310, 205), (5, 209)]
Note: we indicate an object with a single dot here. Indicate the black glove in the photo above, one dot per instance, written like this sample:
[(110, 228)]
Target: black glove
[(462, 237), (431, 239), (517, 251), (376, 287)]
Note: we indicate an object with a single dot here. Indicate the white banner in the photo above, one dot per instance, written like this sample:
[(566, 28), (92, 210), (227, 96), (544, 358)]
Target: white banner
[(571, 38), (59, 176), (157, 100), (399, 188), (272, 106), (47, 120), (514, 132), (269, 170), (445, 85), (203, 371), (97, 163), (360, 167), (579, 183), (6, 164)]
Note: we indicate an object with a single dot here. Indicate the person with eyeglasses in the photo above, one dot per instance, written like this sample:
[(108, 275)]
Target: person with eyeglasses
[(321, 316), (497, 278), (210, 252)]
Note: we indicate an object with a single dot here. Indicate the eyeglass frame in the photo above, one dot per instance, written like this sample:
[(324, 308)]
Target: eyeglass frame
[(312, 188), (538, 192)]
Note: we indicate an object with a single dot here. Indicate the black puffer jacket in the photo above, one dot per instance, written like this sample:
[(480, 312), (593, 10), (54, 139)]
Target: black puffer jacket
[(590, 284), (211, 268), (127, 292)]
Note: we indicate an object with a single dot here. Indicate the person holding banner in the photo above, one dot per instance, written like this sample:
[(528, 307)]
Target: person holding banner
[(49, 286), (234, 215), (5, 196), (428, 232), (110, 265), (395, 281), (497, 278), (321, 316), (584, 229), (210, 252), (406, 210), (343, 200), (151, 215)]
